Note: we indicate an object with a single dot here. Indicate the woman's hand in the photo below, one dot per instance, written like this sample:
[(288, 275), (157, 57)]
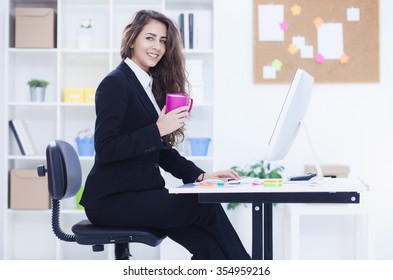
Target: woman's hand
[(223, 174), (173, 120)]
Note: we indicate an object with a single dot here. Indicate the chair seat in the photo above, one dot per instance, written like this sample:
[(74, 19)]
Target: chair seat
[(88, 234)]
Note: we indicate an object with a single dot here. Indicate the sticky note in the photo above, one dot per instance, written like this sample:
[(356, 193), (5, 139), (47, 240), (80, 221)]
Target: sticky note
[(296, 10), (353, 14), (344, 59), (299, 41), (319, 59), (330, 38), (269, 72), (284, 25), (277, 64), (212, 183), (318, 21), (272, 182), (207, 184), (292, 49), (307, 52), (269, 19)]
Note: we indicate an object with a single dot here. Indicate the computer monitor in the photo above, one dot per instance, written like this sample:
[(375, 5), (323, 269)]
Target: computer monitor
[(291, 117)]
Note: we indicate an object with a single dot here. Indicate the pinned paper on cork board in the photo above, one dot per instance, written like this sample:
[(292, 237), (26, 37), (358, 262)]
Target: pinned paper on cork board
[(337, 41)]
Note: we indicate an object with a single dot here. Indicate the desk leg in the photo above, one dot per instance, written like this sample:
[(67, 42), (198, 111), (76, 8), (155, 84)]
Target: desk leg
[(268, 231), (257, 245)]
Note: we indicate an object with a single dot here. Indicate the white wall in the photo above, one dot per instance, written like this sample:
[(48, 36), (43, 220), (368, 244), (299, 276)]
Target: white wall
[(349, 123)]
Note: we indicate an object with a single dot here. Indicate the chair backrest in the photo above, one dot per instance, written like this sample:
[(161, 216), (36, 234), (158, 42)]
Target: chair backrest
[(64, 180), (64, 170)]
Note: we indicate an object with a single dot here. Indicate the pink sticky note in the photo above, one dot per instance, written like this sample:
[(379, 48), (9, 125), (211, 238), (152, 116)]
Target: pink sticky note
[(284, 25), (319, 59)]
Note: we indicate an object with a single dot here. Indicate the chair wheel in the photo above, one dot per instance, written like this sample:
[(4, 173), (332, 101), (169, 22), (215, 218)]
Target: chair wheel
[(98, 248), (41, 170)]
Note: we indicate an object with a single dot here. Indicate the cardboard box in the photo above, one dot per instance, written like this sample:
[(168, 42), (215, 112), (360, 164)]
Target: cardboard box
[(330, 170), (28, 191), (35, 28), (74, 95)]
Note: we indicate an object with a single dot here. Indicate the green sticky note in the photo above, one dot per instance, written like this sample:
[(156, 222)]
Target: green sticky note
[(277, 64)]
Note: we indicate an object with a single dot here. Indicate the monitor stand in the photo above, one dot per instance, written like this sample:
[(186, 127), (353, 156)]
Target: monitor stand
[(318, 168)]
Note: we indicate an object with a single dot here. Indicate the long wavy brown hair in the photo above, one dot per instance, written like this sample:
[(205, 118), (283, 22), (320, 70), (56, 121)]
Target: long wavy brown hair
[(169, 74)]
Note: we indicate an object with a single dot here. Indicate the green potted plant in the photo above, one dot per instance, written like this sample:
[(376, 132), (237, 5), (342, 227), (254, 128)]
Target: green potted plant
[(85, 36), (37, 90), (260, 169)]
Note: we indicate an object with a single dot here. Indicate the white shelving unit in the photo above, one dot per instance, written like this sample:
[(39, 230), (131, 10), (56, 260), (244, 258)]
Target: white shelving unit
[(27, 234)]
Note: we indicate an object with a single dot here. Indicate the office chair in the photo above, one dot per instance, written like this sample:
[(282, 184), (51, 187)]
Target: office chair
[(64, 181)]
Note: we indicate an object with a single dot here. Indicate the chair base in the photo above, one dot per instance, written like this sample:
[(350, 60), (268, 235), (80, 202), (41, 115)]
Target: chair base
[(88, 234), (122, 251)]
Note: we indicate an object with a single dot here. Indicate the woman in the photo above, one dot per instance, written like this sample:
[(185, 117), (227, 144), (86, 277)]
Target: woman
[(134, 138)]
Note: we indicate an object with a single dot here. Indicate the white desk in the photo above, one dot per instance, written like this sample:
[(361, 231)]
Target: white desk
[(327, 190)]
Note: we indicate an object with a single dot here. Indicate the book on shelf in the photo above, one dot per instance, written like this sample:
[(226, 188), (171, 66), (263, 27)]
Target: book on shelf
[(186, 29), (181, 28), (22, 137), (191, 30), (195, 27)]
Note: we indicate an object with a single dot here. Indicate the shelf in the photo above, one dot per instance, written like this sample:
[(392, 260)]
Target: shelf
[(61, 104), (60, 50), (42, 157), (70, 66), (198, 51), (70, 104), (73, 212), (32, 104), (32, 51), (86, 158), (85, 51), (181, 4), (27, 158), (29, 212), (198, 158), (205, 105)]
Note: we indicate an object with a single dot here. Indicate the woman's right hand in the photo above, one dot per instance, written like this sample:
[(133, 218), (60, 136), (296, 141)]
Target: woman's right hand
[(173, 120)]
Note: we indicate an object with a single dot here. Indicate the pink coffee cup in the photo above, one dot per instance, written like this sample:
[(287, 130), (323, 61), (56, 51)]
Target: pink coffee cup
[(175, 100)]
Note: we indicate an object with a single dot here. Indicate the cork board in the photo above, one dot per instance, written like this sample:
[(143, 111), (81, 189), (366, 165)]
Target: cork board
[(336, 41)]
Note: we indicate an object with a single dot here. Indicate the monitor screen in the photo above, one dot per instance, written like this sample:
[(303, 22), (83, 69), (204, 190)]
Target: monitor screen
[(291, 115)]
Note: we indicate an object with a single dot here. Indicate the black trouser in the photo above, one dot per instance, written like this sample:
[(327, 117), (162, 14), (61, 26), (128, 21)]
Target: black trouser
[(203, 229)]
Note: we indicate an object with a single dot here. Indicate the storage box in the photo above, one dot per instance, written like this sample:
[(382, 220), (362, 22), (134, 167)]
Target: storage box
[(90, 94), (85, 146), (199, 146), (194, 68), (27, 190), (197, 93), (35, 28), (74, 95), (330, 170)]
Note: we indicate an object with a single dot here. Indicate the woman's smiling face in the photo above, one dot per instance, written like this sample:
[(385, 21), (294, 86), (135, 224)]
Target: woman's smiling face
[(149, 45)]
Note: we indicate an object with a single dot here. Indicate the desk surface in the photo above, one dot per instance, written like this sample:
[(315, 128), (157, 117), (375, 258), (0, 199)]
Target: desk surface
[(330, 185), (326, 190)]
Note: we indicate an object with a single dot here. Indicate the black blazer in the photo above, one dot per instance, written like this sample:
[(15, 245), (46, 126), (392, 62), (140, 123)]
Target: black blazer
[(129, 149)]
